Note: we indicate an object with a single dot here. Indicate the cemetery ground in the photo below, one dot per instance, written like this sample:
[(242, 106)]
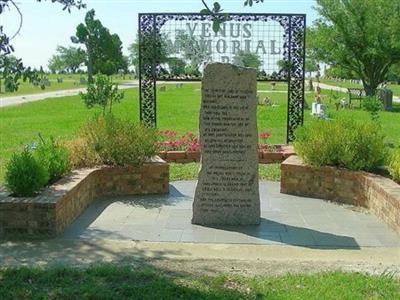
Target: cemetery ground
[(177, 109), (151, 270), (69, 82), (395, 88)]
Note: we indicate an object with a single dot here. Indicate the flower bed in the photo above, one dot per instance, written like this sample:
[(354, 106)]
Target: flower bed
[(185, 148), (379, 194), (57, 206), (266, 156)]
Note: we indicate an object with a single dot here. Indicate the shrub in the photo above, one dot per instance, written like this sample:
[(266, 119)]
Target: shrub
[(54, 157), (119, 142), (373, 106), (394, 165), (103, 93), (342, 143), (25, 175), (81, 155)]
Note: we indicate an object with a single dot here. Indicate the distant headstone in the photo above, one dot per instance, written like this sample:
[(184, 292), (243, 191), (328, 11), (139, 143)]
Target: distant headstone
[(227, 190), (163, 89), (59, 80), (46, 82), (386, 96), (179, 85)]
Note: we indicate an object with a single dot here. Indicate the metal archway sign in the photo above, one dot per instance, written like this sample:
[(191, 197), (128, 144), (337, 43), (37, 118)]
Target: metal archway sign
[(176, 47)]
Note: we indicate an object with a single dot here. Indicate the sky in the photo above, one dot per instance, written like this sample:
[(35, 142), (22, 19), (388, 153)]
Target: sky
[(46, 25)]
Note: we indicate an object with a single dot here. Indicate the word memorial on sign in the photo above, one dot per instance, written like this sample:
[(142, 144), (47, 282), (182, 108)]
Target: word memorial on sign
[(230, 40), (227, 191)]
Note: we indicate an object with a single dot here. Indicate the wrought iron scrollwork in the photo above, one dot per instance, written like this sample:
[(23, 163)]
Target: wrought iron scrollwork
[(293, 42)]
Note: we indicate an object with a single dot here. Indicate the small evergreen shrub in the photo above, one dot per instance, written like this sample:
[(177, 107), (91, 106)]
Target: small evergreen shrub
[(341, 143), (119, 142), (394, 165), (25, 175), (54, 157)]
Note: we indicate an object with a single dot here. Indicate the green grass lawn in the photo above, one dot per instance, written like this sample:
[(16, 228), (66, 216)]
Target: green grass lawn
[(394, 87), (26, 88), (124, 282), (177, 109), (190, 171), (69, 82)]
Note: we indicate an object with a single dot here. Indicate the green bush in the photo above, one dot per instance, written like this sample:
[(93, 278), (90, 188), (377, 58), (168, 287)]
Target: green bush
[(394, 165), (54, 157), (103, 93), (342, 143), (373, 106), (25, 175), (119, 142)]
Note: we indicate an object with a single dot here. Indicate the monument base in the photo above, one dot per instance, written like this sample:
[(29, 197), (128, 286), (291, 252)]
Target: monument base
[(231, 220)]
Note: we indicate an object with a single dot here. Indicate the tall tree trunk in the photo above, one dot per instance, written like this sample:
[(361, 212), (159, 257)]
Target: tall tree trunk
[(370, 88), (90, 64)]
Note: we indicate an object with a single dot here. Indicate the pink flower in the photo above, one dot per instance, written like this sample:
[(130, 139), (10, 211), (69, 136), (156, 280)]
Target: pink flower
[(264, 135)]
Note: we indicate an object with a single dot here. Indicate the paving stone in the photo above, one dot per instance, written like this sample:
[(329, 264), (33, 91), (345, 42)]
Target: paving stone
[(169, 219)]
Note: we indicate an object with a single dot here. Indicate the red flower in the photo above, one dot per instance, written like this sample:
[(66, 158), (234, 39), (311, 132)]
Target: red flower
[(264, 135)]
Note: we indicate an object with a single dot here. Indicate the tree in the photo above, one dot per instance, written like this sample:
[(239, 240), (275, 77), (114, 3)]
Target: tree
[(247, 59), (216, 12), (11, 71), (10, 68), (134, 55), (56, 64), (155, 49), (394, 73), (311, 66), (16, 71), (360, 36), (338, 72), (67, 59), (193, 50), (176, 66), (104, 50), (102, 93), (5, 5)]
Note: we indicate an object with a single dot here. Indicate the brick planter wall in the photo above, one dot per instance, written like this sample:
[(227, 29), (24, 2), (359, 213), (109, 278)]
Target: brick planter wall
[(379, 194), (48, 214)]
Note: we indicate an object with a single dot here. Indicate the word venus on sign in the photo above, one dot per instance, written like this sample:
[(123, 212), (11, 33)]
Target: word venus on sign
[(232, 38)]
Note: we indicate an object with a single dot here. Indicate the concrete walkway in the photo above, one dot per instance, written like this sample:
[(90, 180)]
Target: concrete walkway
[(200, 258), (285, 220), (296, 235)]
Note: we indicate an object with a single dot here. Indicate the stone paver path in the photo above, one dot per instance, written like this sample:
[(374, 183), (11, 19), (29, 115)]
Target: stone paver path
[(286, 220)]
